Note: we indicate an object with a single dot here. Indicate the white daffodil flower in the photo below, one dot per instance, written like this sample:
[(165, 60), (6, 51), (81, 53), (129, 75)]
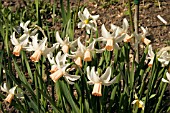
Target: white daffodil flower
[(22, 42), (150, 56), (39, 48), (11, 92), (122, 31), (111, 39), (168, 77), (61, 70), (138, 103), (87, 20), (164, 56), (66, 44), (59, 59), (142, 37), (99, 81), (88, 50), (19, 43), (77, 56)]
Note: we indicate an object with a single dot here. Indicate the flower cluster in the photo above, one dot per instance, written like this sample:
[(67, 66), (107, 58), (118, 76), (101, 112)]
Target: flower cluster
[(80, 53)]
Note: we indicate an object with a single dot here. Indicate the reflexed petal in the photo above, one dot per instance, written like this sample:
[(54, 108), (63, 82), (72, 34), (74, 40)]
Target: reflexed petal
[(125, 25), (94, 77), (12, 90), (90, 82), (114, 27), (120, 38), (81, 16), (51, 58), (58, 38), (150, 52), (164, 80), (48, 50), (81, 25), (86, 13), (116, 46), (108, 83), (106, 75), (35, 41), (42, 44), (13, 39), (105, 33), (80, 45), (91, 46), (134, 101), (95, 17), (88, 73), (4, 88)]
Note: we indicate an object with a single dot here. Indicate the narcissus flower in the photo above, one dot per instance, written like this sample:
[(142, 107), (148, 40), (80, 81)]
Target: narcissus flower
[(122, 31), (164, 56), (59, 59), (142, 37), (19, 43), (168, 77), (99, 81), (39, 48), (138, 103), (61, 70), (66, 44), (151, 56), (111, 39), (87, 20), (88, 50), (77, 56), (11, 92)]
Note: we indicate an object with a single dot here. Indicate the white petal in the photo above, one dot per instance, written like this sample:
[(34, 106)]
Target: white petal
[(120, 38), (94, 77), (116, 46), (51, 58), (71, 77), (125, 25), (80, 45), (150, 52), (88, 73), (106, 75), (14, 40), (91, 46), (48, 50), (35, 41), (4, 88), (95, 17), (86, 13), (108, 83), (42, 44), (58, 38), (164, 80), (105, 33), (134, 101), (114, 27), (12, 90), (81, 16)]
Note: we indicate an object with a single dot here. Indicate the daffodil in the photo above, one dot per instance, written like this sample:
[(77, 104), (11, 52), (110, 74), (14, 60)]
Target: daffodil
[(59, 59), (168, 77), (150, 56), (138, 103), (22, 42), (19, 43), (122, 31), (39, 48), (99, 81), (88, 50), (164, 56), (11, 92), (61, 70), (87, 20), (77, 56), (142, 37), (66, 44), (111, 39)]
